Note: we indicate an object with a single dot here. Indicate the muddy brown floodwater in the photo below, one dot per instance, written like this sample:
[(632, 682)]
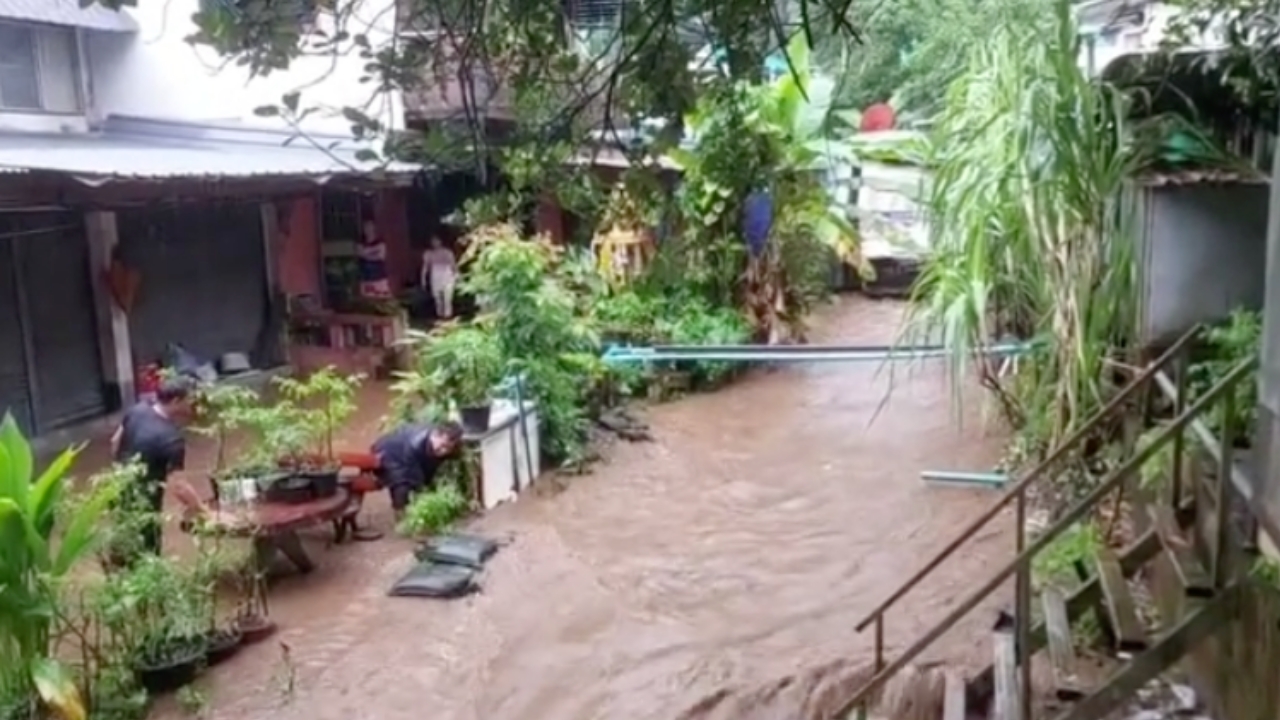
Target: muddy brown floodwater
[(711, 574)]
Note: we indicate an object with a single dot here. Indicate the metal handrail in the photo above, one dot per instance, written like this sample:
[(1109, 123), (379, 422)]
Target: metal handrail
[(1020, 487), (1204, 436), (1022, 563)]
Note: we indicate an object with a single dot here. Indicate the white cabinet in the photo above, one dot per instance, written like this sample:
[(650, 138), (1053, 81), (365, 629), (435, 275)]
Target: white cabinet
[(509, 453)]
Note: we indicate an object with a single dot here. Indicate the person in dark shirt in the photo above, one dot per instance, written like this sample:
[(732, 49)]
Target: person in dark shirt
[(410, 455), (150, 434)]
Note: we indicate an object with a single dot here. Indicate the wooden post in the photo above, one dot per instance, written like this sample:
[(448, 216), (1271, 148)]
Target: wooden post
[(113, 322)]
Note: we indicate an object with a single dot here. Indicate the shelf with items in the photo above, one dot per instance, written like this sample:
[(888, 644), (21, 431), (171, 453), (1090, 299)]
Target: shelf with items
[(352, 342), (346, 330)]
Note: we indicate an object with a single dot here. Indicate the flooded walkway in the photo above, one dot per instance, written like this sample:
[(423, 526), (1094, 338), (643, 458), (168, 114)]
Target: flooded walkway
[(685, 578)]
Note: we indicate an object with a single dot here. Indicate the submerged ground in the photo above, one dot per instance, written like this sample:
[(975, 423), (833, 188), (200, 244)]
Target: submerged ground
[(684, 578)]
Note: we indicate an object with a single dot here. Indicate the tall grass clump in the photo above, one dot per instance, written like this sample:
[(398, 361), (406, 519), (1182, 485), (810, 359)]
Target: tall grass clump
[(1030, 233)]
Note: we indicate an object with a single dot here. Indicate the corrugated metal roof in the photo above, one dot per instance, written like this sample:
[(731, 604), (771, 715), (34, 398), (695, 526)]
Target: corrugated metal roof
[(125, 151), (613, 158), (1202, 176), (68, 13)]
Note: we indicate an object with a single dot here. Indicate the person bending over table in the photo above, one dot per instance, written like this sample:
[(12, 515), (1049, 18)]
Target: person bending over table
[(151, 435), (408, 459)]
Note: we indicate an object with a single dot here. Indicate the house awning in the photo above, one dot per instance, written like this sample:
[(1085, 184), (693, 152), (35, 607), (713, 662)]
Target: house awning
[(68, 13), (141, 149)]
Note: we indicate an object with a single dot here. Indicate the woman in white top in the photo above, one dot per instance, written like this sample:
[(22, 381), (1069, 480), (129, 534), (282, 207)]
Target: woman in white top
[(440, 274)]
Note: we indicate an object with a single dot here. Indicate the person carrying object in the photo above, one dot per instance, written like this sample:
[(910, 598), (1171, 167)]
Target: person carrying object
[(151, 435)]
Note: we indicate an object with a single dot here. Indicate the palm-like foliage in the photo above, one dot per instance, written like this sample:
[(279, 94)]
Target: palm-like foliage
[(773, 139), (38, 548)]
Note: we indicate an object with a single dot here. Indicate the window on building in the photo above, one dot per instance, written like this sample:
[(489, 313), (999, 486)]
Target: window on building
[(595, 13), (39, 69)]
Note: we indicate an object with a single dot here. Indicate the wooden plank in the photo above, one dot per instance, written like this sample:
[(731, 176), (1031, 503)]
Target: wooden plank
[(1062, 650), (1191, 573), (1126, 627), (953, 707), (1146, 547), (1006, 671), (1167, 651)]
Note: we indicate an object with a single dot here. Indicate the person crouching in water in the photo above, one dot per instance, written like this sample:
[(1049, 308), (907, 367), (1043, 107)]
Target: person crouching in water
[(410, 456)]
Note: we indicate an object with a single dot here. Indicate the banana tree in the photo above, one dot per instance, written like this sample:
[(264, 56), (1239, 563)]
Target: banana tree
[(809, 222), (797, 107), (38, 548)]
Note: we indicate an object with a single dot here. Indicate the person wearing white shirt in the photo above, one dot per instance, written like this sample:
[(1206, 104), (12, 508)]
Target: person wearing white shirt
[(440, 275)]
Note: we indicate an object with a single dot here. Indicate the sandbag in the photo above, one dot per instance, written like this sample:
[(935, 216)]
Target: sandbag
[(457, 549), (436, 580)]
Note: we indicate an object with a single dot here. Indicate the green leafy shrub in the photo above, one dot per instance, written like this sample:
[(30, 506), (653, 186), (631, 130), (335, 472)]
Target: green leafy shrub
[(1227, 345), (698, 323), (433, 511), (42, 539), (1078, 544), (455, 365), (324, 401)]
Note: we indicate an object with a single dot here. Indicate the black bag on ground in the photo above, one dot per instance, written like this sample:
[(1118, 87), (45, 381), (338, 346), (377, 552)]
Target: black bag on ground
[(466, 550), (436, 580)]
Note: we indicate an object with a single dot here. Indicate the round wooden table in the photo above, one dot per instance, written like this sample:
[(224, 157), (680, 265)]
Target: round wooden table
[(274, 526)]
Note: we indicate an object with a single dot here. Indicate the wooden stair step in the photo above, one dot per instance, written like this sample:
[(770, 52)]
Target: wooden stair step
[(1079, 601), (1005, 704), (1062, 650), (953, 702), (1204, 619), (1126, 627), (1191, 573)]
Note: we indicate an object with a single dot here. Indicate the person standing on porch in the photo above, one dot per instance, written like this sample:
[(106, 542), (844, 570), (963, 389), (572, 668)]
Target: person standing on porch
[(440, 274), (372, 254)]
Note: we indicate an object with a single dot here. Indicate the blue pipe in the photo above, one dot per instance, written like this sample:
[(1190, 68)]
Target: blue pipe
[(791, 353)]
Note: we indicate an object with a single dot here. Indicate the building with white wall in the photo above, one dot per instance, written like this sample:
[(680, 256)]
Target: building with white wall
[(126, 152), (64, 68), (1110, 29)]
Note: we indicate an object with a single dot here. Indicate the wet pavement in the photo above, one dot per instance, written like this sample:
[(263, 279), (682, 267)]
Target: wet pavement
[(716, 572)]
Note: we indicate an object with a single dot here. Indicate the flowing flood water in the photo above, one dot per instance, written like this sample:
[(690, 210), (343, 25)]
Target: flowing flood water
[(715, 573)]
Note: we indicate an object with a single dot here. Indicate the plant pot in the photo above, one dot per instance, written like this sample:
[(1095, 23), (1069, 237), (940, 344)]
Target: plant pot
[(475, 418), (290, 490), (324, 483), (254, 628), (29, 710), (174, 665), (222, 644)]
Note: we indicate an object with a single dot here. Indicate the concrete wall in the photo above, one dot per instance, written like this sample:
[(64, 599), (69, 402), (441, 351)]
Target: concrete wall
[(890, 211), (157, 73), (1203, 254)]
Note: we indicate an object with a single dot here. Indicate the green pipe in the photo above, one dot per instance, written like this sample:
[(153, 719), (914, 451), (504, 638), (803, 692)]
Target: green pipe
[(992, 480)]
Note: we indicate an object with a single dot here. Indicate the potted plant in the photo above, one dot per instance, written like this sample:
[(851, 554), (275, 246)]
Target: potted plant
[(212, 562), (222, 409), (321, 403), (277, 431), (466, 362), (160, 610), (252, 617)]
